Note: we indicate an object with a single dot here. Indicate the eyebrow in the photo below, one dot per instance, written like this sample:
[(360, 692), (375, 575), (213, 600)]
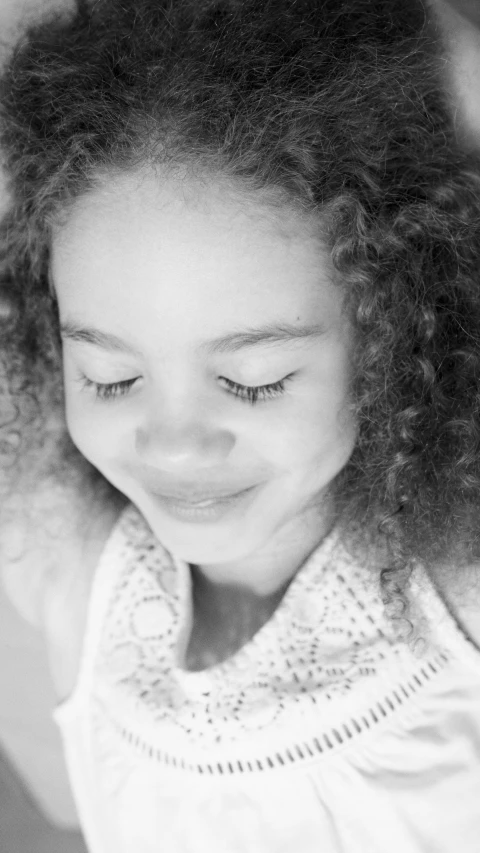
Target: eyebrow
[(272, 333)]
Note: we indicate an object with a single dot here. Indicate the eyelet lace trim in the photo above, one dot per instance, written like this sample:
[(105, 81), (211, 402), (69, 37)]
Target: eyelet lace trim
[(331, 739)]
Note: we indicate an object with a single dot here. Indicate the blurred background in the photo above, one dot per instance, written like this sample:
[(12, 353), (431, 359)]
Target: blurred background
[(37, 813)]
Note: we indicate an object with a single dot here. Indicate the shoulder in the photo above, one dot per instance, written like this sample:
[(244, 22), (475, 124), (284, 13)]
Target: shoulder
[(48, 561), (64, 606)]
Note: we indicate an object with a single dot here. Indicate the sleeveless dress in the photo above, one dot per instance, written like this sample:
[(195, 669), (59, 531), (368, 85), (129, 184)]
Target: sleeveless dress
[(323, 734)]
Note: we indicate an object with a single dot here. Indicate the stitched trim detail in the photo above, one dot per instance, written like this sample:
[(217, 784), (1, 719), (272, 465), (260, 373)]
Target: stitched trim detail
[(327, 742)]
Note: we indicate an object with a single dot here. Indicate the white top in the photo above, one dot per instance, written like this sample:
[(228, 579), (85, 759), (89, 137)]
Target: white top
[(323, 733)]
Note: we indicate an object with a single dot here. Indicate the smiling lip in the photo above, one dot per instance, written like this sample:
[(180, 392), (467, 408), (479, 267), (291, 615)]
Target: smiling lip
[(207, 510), (192, 498)]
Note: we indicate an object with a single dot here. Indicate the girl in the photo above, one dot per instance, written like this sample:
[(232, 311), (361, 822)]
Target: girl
[(242, 257)]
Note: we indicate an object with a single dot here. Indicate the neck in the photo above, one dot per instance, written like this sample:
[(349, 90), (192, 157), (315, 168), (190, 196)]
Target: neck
[(266, 573)]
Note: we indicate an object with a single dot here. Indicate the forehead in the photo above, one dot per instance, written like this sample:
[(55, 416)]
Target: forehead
[(191, 257)]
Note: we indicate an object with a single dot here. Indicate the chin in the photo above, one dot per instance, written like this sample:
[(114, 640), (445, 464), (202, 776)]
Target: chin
[(201, 544), (207, 548)]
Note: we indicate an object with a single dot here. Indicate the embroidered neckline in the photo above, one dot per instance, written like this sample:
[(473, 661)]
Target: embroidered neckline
[(326, 652), (329, 739), (327, 639)]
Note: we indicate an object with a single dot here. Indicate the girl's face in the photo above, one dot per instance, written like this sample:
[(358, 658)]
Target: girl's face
[(206, 356)]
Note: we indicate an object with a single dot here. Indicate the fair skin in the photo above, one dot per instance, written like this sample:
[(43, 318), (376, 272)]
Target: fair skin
[(459, 24), (169, 267)]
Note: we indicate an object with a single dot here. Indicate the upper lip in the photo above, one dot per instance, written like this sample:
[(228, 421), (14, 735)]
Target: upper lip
[(193, 496)]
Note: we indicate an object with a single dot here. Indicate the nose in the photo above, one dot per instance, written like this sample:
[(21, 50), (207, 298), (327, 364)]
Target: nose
[(181, 444)]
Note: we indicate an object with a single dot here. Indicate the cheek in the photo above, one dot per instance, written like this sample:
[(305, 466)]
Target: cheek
[(90, 430), (74, 409), (83, 432), (319, 433)]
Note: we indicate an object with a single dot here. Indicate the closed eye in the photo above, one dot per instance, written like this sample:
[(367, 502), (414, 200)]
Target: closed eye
[(249, 393), (110, 390), (253, 393)]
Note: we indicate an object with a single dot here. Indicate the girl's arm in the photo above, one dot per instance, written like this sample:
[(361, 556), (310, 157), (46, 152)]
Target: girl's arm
[(47, 569), (46, 550), (64, 605)]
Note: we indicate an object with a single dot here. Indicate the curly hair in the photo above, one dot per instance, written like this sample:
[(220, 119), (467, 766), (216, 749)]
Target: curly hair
[(334, 108)]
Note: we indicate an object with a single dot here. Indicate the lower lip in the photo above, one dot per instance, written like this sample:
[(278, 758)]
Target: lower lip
[(211, 511)]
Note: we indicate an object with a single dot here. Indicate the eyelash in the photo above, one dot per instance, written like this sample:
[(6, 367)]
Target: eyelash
[(248, 393)]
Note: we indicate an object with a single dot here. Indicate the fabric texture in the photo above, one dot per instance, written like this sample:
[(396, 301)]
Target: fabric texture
[(324, 732)]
